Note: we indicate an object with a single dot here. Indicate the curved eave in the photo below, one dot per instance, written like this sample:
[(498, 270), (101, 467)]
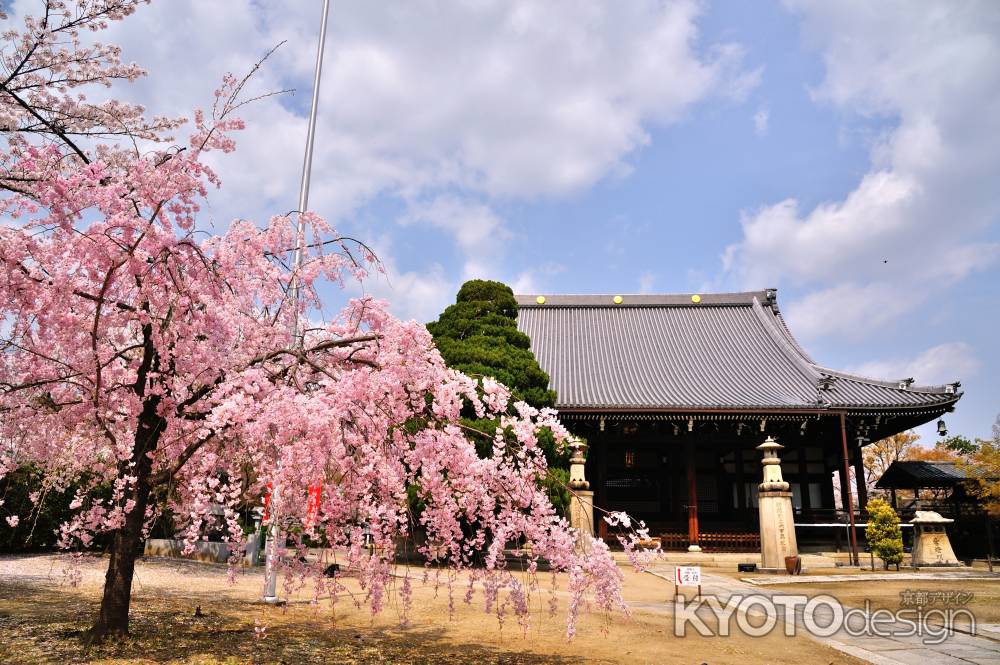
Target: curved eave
[(947, 389), (910, 395)]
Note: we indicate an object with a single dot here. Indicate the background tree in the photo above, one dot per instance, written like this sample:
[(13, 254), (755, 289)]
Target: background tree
[(139, 360), (478, 336), (983, 467), (884, 535), (940, 452), (878, 456), (959, 444)]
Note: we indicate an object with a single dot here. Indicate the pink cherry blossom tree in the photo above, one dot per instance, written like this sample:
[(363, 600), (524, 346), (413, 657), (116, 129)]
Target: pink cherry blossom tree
[(160, 365)]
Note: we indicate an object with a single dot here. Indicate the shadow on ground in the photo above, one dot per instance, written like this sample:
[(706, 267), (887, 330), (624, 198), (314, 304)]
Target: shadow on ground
[(44, 624)]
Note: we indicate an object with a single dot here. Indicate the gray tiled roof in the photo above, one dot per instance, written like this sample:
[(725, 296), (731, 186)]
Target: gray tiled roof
[(730, 350), (918, 473)]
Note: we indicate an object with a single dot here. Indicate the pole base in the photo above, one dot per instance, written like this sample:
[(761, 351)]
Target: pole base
[(694, 548)]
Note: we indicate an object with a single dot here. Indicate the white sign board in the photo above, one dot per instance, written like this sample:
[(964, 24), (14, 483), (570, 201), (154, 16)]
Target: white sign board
[(688, 576)]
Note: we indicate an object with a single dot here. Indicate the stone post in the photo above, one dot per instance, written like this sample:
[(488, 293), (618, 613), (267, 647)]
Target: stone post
[(931, 546), (777, 524), (581, 503), (252, 553)]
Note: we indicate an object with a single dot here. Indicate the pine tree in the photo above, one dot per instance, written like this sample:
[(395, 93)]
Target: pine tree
[(478, 336)]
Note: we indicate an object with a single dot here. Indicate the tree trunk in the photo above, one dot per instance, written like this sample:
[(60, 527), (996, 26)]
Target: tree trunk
[(113, 619)]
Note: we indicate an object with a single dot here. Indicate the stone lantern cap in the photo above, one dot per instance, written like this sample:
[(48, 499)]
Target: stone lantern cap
[(929, 517), (578, 451), (770, 446), (770, 449)]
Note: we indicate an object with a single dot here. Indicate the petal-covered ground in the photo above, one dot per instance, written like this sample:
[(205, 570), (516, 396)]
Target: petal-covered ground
[(42, 617)]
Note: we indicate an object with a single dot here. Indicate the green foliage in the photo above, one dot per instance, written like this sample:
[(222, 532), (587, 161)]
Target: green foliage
[(41, 510), (481, 433), (983, 469), (884, 535), (478, 335), (498, 294), (960, 445), (556, 485)]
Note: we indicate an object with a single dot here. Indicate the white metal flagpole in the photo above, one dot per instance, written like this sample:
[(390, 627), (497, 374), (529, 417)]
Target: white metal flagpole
[(307, 164), (275, 540)]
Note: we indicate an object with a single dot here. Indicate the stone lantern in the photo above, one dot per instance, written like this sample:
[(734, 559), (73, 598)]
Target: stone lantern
[(931, 546), (581, 504), (777, 524)]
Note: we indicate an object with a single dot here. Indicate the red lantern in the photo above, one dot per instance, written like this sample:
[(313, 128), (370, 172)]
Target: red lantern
[(312, 508), (267, 502)]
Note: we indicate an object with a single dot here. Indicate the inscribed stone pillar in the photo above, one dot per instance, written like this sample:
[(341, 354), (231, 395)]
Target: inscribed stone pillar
[(581, 503), (931, 546), (777, 525)]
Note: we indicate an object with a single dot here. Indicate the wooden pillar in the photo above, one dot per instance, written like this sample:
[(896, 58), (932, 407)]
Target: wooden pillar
[(892, 493), (692, 483), (600, 476), (859, 478), (848, 500), (741, 486), (844, 488), (804, 479), (722, 481), (827, 488), (677, 485)]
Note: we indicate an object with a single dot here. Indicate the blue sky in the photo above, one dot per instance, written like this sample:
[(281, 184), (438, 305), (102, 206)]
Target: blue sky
[(845, 153)]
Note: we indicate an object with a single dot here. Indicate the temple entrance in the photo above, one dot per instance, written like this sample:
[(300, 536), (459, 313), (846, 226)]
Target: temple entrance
[(651, 467)]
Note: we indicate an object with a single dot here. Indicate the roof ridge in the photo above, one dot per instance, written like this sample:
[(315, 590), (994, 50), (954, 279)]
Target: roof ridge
[(690, 299), (783, 344), (787, 333), (941, 389)]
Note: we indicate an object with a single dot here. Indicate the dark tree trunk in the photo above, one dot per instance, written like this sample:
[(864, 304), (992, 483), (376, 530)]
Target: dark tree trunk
[(112, 622)]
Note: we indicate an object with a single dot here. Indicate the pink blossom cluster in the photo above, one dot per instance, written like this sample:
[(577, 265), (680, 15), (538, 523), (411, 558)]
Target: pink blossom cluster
[(159, 368)]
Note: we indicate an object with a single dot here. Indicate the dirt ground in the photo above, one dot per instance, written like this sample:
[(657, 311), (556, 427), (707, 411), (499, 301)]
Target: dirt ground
[(984, 601), (42, 618)]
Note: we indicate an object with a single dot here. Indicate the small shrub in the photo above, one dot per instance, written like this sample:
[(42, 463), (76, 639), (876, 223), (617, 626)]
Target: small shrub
[(884, 535)]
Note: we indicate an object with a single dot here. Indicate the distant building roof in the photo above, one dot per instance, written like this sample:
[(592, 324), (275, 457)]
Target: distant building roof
[(676, 352), (920, 474)]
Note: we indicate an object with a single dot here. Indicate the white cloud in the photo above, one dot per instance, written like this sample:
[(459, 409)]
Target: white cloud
[(646, 282), (477, 230), (525, 283), (914, 224), (414, 294), (535, 279), (421, 296), (936, 365), (451, 108), (485, 101), (780, 242), (848, 310), (518, 98), (760, 121)]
